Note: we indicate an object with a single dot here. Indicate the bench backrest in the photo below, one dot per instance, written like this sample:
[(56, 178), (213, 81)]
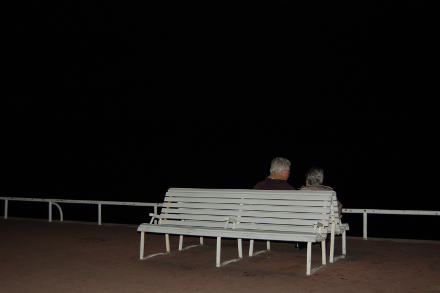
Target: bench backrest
[(335, 207), (249, 209)]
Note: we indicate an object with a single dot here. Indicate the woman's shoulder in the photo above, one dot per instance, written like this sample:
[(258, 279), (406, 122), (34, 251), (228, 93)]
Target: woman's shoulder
[(316, 187)]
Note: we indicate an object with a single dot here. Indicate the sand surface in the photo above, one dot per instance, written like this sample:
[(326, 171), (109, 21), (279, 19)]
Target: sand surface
[(37, 256)]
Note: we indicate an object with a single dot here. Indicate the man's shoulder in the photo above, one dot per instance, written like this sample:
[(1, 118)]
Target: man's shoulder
[(259, 185), (272, 184)]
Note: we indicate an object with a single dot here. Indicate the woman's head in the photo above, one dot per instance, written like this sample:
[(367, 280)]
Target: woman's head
[(315, 176)]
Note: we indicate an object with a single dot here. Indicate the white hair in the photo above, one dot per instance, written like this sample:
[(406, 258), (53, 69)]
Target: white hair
[(279, 164), (315, 176)]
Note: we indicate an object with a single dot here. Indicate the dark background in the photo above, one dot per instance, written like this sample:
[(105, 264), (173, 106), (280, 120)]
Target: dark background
[(120, 101)]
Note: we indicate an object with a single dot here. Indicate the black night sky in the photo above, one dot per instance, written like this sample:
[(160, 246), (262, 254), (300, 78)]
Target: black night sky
[(120, 101)]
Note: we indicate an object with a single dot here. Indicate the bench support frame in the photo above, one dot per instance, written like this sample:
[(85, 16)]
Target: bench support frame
[(181, 248), (141, 248), (251, 248)]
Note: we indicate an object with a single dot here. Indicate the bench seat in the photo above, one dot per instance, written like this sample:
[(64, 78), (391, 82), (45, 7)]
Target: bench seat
[(240, 233)]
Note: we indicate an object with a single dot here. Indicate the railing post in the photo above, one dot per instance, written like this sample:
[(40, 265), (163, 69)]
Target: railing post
[(6, 209), (99, 214), (50, 211), (365, 224)]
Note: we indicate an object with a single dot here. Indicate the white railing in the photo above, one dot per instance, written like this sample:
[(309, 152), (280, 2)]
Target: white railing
[(365, 213), (55, 202)]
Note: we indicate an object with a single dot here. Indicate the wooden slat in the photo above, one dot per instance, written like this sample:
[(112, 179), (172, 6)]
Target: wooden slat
[(215, 212), (280, 221), (243, 234), (245, 191), (286, 215), (256, 227), (181, 216), (203, 211), (272, 227), (223, 219), (249, 207), (250, 201), (256, 194), (194, 223)]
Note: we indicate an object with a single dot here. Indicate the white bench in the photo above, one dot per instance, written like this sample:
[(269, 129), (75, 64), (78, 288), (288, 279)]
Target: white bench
[(294, 216), (336, 227)]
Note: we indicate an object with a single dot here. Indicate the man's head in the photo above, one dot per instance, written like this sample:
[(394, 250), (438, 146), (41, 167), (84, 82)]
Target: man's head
[(280, 168), (315, 176)]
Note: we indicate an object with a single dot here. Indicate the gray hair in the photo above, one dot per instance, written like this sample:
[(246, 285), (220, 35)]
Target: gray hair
[(315, 176), (279, 164)]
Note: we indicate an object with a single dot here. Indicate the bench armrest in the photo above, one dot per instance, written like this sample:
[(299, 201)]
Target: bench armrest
[(320, 228), (154, 217)]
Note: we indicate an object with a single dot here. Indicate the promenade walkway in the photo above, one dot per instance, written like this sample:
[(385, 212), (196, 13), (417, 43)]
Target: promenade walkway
[(37, 256)]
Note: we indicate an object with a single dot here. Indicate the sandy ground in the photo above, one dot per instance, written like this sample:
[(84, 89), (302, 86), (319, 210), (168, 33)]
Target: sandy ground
[(37, 256)]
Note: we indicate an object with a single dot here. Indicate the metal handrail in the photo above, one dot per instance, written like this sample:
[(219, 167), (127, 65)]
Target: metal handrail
[(100, 203), (56, 202), (365, 213)]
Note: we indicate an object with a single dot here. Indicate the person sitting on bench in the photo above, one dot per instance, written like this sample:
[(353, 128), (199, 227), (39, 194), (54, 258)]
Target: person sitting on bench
[(314, 180), (277, 179)]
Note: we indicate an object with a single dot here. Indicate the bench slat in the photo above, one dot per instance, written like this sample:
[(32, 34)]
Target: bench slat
[(249, 191), (246, 207), (286, 215), (257, 227), (242, 234), (258, 195), (223, 219), (318, 203)]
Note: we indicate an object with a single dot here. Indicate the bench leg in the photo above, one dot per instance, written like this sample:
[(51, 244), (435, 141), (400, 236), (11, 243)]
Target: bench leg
[(167, 242), (332, 243), (141, 249), (180, 242), (309, 269), (189, 246), (251, 248), (309, 258), (323, 248), (218, 262), (344, 247), (218, 254)]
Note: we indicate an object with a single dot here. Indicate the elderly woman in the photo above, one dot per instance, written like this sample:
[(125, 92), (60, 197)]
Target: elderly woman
[(314, 180)]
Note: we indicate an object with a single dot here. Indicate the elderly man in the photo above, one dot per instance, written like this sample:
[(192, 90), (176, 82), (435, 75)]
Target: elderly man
[(277, 179)]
